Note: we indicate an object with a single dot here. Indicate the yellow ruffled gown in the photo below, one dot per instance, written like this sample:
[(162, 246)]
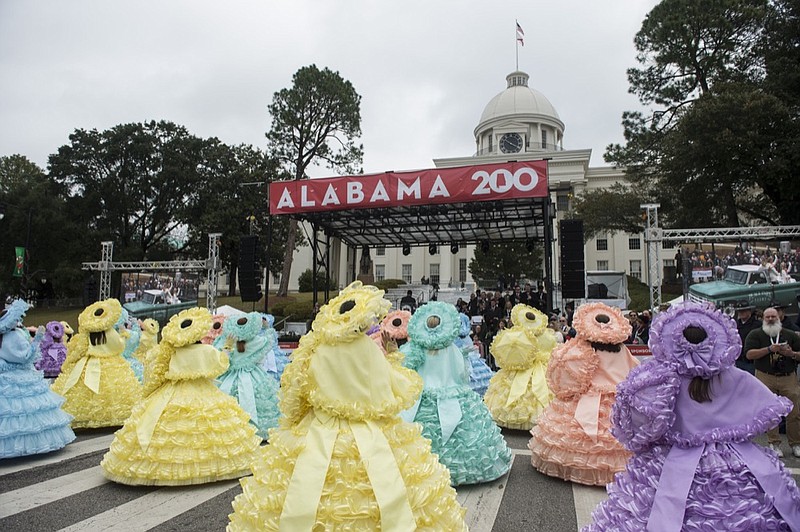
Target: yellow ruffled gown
[(185, 431), (341, 458), (148, 340), (518, 392), (98, 385)]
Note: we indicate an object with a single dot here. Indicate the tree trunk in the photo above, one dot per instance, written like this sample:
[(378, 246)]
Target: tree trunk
[(234, 273), (731, 212), (283, 289)]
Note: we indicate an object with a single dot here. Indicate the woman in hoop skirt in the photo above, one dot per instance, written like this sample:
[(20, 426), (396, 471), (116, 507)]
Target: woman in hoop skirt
[(518, 393), (689, 416), (185, 431), (245, 379), (99, 385), (53, 350), (573, 438), (342, 459), (31, 420)]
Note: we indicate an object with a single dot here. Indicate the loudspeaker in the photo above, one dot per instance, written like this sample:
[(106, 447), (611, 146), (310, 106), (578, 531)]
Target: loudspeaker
[(573, 274), (572, 251), (90, 291), (249, 270)]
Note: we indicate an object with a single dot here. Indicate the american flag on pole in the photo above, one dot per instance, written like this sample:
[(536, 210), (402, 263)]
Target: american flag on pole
[(520, 35)]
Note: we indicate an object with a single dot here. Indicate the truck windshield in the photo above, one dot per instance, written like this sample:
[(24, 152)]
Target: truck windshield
[(736, 276)]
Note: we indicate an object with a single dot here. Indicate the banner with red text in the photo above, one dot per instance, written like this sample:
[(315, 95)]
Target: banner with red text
[(485, 182)]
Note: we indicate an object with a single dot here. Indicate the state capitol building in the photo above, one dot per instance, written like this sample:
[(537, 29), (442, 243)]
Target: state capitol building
[(517, 124)]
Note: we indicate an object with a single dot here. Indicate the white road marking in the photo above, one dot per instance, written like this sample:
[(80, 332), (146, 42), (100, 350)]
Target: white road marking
[(70, 451), (586, 498), (482, 502), (29, 497), (153, 509)]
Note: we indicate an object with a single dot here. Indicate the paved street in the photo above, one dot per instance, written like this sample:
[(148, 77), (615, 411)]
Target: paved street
[(66, 490)]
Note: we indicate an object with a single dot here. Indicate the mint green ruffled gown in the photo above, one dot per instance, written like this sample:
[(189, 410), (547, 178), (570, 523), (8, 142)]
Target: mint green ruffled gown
[(454, 417), (254, 388)]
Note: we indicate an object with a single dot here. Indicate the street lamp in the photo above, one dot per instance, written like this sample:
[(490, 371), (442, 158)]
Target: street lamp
[(24, 283)]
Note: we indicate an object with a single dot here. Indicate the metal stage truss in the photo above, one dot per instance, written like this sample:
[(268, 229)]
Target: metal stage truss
[(654, 235), (107, 265)]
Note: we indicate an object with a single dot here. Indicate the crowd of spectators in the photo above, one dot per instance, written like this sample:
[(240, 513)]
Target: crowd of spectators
[(173, 288), (490, 311), (779, 266)]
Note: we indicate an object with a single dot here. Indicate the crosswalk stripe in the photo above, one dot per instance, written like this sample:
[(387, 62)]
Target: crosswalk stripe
[(152, 509), (586, 498), (482, 502), (70, 451), (23, 499)]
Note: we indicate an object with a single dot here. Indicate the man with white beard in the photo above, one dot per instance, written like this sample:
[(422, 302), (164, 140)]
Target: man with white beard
[(775, 352)]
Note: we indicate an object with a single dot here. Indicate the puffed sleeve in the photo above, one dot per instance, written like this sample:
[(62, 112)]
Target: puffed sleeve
[(414, 355), (571, 369), (645, 405)]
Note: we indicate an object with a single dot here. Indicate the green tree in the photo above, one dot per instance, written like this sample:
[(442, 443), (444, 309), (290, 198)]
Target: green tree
[(35, 212), (132, 183), (608, 210), (316, 121), (716, 146), (512, 260), (231, 198)]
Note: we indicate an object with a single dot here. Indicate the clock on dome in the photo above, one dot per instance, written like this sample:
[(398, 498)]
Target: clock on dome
[(511, 143)]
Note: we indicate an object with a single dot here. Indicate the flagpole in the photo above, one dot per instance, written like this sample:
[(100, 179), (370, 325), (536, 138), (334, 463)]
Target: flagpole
[(516, 41)]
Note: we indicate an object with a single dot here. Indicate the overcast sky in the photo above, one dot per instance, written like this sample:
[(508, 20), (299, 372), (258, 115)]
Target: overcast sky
[(425, 69)]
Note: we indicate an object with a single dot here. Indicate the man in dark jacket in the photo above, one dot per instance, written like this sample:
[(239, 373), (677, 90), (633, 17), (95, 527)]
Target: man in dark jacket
[(786, 322), (746, 321)]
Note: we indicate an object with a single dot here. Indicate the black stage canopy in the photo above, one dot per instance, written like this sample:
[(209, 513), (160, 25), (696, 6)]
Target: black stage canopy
[(502, 202), (520, 219)]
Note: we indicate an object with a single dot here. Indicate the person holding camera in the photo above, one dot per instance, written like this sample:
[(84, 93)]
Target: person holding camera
[(775, 352)]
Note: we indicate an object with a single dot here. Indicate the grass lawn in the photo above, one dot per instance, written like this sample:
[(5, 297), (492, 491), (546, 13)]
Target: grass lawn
[(40, 316), (640, 294)]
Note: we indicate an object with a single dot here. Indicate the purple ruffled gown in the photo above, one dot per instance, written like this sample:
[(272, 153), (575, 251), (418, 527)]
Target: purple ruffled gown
[(694, 466), (53, 351)]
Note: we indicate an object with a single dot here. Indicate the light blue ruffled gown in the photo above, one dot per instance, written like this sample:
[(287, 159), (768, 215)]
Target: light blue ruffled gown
[(245, 379), (479, 373), (31, 419), (131, 344), (275, 360), (452, 415)]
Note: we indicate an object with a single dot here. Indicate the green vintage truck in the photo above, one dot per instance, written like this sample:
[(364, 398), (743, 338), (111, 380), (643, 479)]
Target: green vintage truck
[(749, 283), (153, 305)]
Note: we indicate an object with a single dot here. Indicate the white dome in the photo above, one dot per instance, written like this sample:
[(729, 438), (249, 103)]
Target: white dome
[(518, 99)]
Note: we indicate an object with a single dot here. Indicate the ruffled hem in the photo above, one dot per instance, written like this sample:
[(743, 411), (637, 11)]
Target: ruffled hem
[(32, 423), (119, 392), (185, 480), (723, 496), (589, 477), (266, 400), (45, 441), (201, 436), (560, 447), (347, 501), (476, 451)]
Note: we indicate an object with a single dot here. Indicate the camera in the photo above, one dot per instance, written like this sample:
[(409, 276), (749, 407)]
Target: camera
[(782, 364)]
